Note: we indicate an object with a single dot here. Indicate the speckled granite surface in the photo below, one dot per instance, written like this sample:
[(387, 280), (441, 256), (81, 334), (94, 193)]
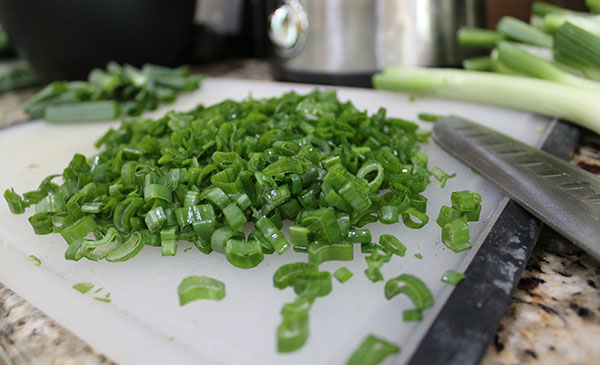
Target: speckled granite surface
[(553, 317)]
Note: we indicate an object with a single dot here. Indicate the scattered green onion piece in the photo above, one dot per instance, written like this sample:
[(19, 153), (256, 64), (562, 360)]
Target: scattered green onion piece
[(321, 252), (426, 117), (243, 254), (412, 315), (389, 214), (15, 201), (368, 168), (372, 351), (126, 250), (411, 286), (342, 274), (234, 216), (83, 287), (78, 229), (273, 235), (312, 285), (441, 176), (34, 260), (292, 333), (157, 191), (42, 223), (448, 215), (358, 236), (455, 235), (465, 200), (220, 237), (168, 242), (452, 277), (411, 212), (200, 287), (392, 244), (286, 274)]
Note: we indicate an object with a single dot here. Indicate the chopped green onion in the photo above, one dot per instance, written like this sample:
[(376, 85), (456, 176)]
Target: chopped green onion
[(452, 277), (412, 315), (372, 351), (273, 235), (426, 117), (83, 287), (292, 333), (342, 274), (392, 244), (79, 229), (455, 235), (243, 254), (15, 201), (321, 252), (448, 215), (200, 287), (126, 250), (411, 286), (441, 176), (410, 213), (34, 260)]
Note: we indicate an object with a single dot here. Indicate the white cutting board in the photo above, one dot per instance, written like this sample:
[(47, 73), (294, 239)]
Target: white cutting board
[(144, 323)]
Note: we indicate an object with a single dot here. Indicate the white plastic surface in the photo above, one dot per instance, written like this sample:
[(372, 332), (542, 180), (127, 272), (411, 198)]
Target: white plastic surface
[(144, 323)]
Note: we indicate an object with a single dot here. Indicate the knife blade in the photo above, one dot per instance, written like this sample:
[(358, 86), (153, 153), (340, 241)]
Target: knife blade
[(562, 195)]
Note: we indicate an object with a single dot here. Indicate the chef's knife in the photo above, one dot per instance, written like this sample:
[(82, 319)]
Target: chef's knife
[(562, 195)]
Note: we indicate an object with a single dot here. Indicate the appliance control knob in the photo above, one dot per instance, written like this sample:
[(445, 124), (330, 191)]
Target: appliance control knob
[(288, 26)]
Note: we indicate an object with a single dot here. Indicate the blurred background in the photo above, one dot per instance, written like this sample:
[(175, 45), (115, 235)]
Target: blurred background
[(321, 41)]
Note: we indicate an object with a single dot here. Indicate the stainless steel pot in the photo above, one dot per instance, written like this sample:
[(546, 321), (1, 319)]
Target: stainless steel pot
[(346, 41)]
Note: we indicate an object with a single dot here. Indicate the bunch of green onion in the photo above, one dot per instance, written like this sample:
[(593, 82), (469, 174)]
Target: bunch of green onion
[(550, 66), (108, 94)]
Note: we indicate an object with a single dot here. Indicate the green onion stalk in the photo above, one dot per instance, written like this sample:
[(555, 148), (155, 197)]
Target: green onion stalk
[(572, 103)]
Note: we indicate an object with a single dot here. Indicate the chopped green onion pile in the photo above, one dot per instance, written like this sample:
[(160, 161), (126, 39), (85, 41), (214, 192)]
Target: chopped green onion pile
[(118, 90), (208, 174), (560, 47)]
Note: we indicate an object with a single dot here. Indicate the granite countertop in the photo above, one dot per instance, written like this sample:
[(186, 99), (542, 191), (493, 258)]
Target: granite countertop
[(553, 317)]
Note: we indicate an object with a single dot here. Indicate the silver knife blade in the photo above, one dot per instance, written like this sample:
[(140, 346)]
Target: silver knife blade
[(562, 195)]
